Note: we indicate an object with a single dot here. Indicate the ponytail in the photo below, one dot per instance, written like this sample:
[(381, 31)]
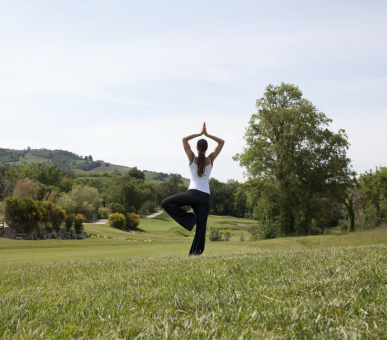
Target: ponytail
[(202, 148), (201, 162)]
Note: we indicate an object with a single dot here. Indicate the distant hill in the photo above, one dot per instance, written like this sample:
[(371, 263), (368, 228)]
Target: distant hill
[(70, 161)]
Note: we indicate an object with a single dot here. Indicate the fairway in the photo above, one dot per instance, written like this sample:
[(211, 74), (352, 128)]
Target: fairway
[(143, 285), (161, 236)]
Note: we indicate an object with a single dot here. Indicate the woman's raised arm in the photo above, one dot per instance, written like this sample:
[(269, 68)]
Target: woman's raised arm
[(218, 148)]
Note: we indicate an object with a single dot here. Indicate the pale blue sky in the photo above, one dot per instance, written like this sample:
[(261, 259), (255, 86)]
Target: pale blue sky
[(125, 80)]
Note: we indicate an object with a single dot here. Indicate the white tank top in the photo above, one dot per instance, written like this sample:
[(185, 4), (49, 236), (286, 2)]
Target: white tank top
[(200, 183)]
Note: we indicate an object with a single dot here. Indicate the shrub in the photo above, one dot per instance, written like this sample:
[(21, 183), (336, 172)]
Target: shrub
[(44, 213), (22, 214), (264, 231), (117, 220), (254, 233), (69, 221), (315, 231), (51, 215), (78, 222), (226, 234), (132, 220), (215, 234), (242, 237), (57, 216)]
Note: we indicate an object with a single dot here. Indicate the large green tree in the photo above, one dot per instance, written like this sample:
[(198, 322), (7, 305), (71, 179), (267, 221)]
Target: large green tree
[(296, 166), (226, 198), (130, 192), (174, 185)]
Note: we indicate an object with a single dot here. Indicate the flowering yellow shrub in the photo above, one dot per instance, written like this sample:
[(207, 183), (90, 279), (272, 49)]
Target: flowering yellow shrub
[(132, 220), (26, 214), (226, 234), (117, 220), (22, 214), (78, 222)]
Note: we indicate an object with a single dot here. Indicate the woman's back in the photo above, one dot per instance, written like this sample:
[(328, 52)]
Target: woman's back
[(197, 182)]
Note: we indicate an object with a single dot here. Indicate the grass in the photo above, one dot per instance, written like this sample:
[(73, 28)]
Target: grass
[(120, 285), (162, 236)]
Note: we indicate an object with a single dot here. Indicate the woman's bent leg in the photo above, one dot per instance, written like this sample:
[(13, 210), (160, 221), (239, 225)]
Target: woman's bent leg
[(172, 205)]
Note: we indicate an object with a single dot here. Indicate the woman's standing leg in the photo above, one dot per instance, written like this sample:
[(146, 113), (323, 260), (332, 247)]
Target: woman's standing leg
[(201, 212), (172, 205)]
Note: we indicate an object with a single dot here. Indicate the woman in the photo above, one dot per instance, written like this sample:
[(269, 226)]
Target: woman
[(198, 194)]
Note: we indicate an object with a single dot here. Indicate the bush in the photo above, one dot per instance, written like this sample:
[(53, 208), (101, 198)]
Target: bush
[(69, 221), (51, 214), (226, 234), (22, 214), (78, 222), (264, 231), (242, 237), (57, 216), (26, 215), (117, 220), (315, 231), (132, 220), (254, 233), (215, 234)]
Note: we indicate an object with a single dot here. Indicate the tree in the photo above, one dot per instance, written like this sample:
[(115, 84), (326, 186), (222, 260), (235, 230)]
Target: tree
[(47, 174), (25, 188), (81, 200), (129, 192), (134, 172), (174, 185), (240, 202), (8, 179), (294, 164)]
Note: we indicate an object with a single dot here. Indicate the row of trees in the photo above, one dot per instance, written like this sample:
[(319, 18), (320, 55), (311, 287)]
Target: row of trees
[(299, 176), (97, 194), (87, 195)]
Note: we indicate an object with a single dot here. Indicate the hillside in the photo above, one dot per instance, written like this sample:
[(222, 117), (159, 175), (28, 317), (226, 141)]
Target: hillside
[(67, 160)]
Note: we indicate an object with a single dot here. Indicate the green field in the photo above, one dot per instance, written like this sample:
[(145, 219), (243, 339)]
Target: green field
[(143, 285)]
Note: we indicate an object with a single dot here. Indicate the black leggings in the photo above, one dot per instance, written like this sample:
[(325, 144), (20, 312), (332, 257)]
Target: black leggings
[(200, 203)]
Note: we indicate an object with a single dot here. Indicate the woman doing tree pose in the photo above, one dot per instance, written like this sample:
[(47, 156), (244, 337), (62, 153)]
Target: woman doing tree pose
[(198, 194)]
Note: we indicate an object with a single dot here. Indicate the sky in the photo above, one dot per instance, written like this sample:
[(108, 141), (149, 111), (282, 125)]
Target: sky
[(125, 80)]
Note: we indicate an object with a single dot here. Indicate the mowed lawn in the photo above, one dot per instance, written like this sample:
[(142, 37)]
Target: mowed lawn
[(143, 285), (158, 236), (162, 236)]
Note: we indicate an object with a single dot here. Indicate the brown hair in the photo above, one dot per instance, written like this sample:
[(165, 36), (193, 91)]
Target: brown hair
[(202, 146)]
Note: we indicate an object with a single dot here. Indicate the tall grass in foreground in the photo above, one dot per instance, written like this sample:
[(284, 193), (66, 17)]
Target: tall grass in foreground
[(332, 293)]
